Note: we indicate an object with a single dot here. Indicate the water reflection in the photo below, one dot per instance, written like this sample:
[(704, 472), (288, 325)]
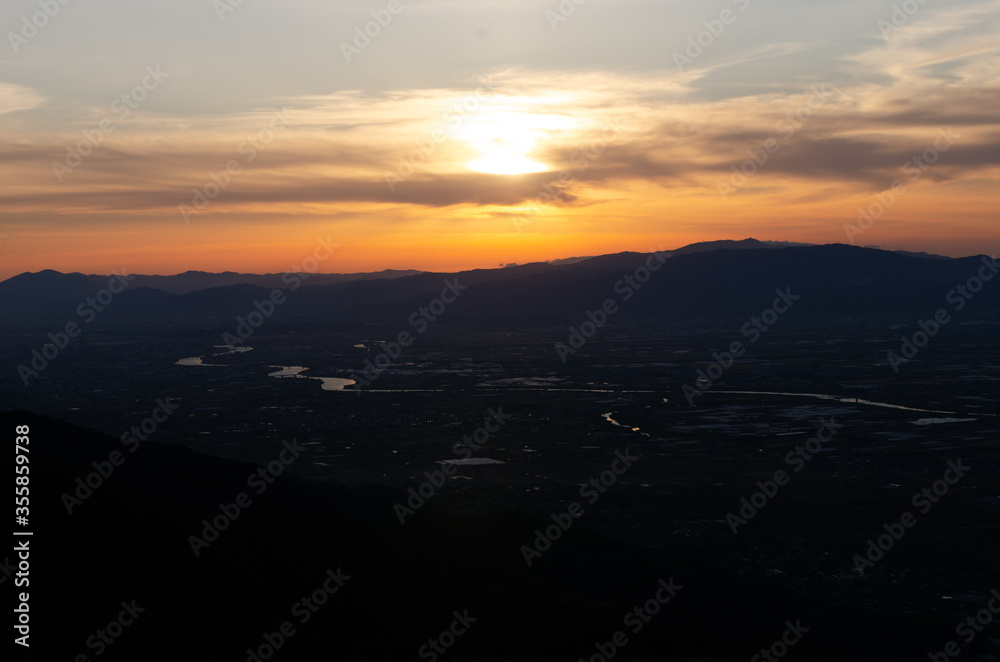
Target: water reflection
[(837, 398), (295, 371)]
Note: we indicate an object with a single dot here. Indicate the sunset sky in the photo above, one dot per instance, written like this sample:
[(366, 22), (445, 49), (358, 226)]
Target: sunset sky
[(440, 144)]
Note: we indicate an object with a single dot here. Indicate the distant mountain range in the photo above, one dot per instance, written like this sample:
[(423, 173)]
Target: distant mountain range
[(192, 281), (712, 279)]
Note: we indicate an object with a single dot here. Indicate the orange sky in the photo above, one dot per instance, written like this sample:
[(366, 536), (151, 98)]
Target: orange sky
[(500, 163)]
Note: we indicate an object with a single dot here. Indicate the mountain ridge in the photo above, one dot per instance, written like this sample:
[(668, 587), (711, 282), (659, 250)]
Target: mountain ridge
[(701, 280)]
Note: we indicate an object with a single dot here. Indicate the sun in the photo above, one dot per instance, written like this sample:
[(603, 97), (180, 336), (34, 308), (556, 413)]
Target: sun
[(505, 139)]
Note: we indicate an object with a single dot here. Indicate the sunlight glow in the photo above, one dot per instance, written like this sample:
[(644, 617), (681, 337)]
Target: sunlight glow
[(506, 137)]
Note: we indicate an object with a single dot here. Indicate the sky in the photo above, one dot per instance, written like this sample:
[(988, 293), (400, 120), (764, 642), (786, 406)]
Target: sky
[(158, 136)]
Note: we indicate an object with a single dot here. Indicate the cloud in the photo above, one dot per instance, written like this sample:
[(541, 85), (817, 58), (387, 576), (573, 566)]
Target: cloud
[(15, 97), (674, 131)]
